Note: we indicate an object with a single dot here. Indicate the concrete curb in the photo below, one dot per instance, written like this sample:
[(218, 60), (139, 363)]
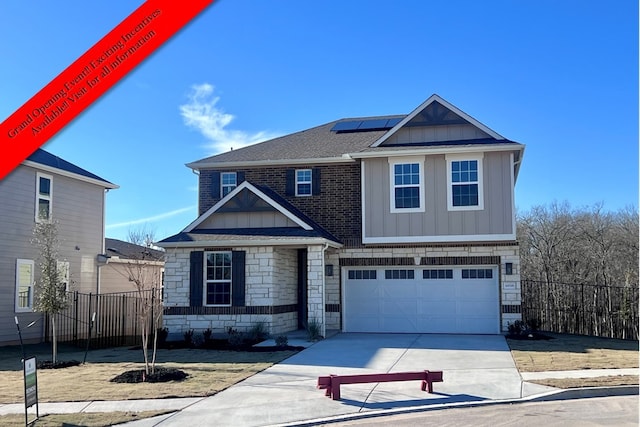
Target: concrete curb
[(555, 395)]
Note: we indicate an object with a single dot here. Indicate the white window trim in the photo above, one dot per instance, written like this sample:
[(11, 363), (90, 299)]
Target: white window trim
[(20, 262), (460, 157), (310, 182), (205, 281), (39, 196), (223, 185), (392, 187)]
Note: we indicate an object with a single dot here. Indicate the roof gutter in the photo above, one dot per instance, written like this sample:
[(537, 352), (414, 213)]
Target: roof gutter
[(246, 243), (268, 162), (437, 150)]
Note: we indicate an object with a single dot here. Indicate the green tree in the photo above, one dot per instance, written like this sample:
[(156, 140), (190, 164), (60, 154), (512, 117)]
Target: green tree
[(51, 295)]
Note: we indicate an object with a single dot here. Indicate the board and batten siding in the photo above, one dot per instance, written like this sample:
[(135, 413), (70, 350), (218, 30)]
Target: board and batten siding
[(437, 223), (78, 207), (422, 134), (226, 220)]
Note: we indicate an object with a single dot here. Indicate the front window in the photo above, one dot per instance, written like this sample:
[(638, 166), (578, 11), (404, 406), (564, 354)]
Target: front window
[(217, 289), (465, 183), (43, 197), (407, 192), (24, 285), (228, 181), (303, 182)]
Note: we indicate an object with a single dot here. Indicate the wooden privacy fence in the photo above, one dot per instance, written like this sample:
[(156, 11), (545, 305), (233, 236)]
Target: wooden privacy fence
[(117, 321), (603, 311)]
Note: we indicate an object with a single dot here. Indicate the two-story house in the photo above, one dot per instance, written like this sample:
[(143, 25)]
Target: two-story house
[(402, 223), (47, 188)]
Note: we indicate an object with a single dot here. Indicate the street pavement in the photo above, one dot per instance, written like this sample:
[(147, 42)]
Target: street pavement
[(477, 369)]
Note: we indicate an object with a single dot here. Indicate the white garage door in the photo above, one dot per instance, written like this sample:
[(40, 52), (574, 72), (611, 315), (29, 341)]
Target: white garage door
[(462, 300)]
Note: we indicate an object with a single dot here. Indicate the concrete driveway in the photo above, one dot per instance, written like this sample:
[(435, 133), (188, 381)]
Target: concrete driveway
[(476, 368)]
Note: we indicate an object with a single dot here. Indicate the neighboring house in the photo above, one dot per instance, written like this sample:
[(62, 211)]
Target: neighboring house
[(128, 262), (401, 223), (44, 188)]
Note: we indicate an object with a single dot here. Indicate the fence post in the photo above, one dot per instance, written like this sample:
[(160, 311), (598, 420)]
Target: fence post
[(75, 320), (89, 313)]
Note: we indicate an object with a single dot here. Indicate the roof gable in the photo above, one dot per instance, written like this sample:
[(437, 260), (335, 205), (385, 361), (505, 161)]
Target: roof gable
[(247, 198), (435, 111)]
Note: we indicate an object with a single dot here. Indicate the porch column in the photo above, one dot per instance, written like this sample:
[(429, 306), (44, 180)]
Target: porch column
[(315, 286)]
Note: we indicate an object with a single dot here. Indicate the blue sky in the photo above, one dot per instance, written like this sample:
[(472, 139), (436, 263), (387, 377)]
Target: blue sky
[(558, 76)]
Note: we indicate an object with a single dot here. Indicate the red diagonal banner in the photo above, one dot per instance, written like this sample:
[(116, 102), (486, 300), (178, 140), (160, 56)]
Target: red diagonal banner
[(90, 76)]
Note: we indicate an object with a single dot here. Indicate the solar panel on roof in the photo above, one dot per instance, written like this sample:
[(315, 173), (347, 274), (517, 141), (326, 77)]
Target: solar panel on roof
[(365, 125), (349, 125), (373, 124), (392, 122)]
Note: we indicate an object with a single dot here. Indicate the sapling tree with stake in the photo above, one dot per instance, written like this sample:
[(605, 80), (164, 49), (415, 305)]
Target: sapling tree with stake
[(51, 296)]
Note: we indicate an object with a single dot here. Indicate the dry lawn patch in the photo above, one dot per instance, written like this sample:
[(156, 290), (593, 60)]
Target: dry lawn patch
[(573, 352), (610, 381), (85, 419), (210, 371)]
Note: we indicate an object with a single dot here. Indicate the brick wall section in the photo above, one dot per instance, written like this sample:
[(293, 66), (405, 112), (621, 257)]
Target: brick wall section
[(337, 207)]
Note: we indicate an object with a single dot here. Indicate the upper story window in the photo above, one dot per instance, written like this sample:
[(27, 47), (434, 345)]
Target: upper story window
[(228, 181), (303, 182), (24, 285), (407, 186), (217, 283), (464, 177), (43, 197)]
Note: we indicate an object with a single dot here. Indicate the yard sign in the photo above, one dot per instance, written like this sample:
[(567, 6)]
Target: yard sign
[(30, 388)]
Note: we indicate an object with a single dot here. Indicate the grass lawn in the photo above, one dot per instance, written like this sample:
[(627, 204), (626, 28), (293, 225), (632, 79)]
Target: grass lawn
[(576, 352), (210, 371)]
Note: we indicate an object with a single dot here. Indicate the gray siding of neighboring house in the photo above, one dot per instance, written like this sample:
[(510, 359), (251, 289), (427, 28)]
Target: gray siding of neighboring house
[(78, 207), (247, 220), (421, 134), (495, 219)]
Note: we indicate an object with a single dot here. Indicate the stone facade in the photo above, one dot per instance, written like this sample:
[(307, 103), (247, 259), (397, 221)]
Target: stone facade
[(270, 289), (271, 282)]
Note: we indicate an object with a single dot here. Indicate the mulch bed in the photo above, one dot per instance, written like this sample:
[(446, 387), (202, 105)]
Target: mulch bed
[(223, 344), (48, 364), (531, 336), (160, 375)]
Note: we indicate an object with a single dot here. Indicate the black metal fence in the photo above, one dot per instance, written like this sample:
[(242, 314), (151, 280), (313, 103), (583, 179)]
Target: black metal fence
[(116, 323), (603, 311)]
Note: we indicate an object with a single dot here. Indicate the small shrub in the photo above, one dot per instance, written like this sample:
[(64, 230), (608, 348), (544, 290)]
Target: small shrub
[(234, 337), (162, 334), (282, 341), (516, 328), (313, 330), (188, 337), (197, 340), (258, 332), (534, 324), (206, 334)]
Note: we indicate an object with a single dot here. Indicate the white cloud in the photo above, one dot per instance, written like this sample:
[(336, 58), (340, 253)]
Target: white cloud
[(202, 114), (150, 219)]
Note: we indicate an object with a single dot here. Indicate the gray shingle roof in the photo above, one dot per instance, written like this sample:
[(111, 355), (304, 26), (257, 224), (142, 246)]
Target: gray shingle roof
[(315, 143), (47, 159), (126, 250)]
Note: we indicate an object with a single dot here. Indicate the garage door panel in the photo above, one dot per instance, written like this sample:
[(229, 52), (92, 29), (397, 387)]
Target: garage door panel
[(431, 305)]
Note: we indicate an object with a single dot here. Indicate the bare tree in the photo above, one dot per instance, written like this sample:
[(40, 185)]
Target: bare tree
[(143, 236), (51, 295), (142, 266)]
